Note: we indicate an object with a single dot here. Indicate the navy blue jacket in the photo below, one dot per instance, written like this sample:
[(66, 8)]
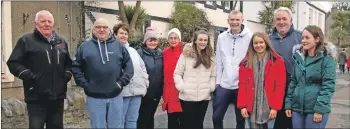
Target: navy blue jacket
[(284, 46), (154, 64), (102, 68)]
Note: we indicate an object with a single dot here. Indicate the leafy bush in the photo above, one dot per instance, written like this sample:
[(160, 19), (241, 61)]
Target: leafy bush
[(188, 19), (137, 42)]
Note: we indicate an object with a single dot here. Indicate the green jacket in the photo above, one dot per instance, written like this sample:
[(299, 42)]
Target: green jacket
[(312, 85)]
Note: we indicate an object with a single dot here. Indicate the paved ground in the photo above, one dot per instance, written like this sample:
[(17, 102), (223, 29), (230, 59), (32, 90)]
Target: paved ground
[(339, 118)]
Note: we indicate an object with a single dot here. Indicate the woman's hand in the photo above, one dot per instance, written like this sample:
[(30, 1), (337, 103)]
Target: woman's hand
[(289, 113), (317, 117), (273, 114), (244, 113)]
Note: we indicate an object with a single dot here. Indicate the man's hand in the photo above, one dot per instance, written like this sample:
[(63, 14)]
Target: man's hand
[(289, 113), (244, 113), (317, 117), (273, 114)]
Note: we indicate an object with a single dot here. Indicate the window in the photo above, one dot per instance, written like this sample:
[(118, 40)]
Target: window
[(227, 5), (315, 17), (320, 19), (218, 3), (310, 16), (209, 2)]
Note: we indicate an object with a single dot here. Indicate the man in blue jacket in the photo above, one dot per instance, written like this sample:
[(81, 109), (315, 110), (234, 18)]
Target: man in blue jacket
[(283, 38), (102, 66)]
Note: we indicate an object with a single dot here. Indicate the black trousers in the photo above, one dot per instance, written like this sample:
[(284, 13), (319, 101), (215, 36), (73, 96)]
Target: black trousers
[(146, 113), (174, 120), (282, 121), (193, 114), (48, 112)]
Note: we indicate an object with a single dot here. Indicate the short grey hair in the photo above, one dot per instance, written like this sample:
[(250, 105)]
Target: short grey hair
[(234, 12), (41, 12), (284, 9)]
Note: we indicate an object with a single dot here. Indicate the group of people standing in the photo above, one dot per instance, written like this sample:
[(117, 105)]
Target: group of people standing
[(282, 80)]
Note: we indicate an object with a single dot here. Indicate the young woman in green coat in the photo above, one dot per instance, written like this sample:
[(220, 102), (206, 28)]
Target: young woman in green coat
[(313, 81)]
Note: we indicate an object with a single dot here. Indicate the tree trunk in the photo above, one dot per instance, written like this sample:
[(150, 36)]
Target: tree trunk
[(122, 12), (134, 18)]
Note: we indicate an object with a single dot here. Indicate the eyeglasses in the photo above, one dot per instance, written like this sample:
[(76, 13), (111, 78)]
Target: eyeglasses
[(101, 27)]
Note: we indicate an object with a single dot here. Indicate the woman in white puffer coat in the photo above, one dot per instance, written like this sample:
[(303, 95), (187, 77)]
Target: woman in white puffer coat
[(194, 78)]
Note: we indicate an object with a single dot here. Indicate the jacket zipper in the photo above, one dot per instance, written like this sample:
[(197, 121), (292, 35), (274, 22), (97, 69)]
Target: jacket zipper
[(58, 56), (48, 56), (52, 86), (274, 84)]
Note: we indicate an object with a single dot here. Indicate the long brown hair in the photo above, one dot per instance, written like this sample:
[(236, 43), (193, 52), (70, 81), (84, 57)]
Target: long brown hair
[(316, 32), (204, 57), (251, 52)]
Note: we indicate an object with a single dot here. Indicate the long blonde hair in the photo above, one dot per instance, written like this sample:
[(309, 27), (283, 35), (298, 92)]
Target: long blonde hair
[(251, 52)]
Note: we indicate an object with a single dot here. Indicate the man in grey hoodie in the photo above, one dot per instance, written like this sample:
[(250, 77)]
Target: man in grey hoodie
[(231, 48), (102, 66), (283, 38)]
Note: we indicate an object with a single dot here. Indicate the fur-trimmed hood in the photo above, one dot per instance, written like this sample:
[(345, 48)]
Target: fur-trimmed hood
[(331, 50), (188, 51)]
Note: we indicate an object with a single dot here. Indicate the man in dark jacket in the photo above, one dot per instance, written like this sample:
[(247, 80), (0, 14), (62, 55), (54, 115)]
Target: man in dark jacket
[(41, 59), (283, 38), (102, 66)]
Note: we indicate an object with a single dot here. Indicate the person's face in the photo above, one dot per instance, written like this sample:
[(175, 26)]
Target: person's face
[(259, 45), (152, 43), (101, 30), (173, 39), (282, 22), (309, 42), (45, 24), (235, 21), (202, 41), (122, 36)]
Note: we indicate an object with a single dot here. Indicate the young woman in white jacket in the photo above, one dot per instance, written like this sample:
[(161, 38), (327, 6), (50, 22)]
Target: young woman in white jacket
[(194, 78), (138, 85)]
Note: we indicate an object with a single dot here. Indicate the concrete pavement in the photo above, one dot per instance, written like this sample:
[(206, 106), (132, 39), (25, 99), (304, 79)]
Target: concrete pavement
[(339, 118)]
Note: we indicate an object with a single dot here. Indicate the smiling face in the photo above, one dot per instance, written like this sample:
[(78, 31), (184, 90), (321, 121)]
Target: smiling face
[(235, 21), (44, 24), (259, 45), (173, 39), (101, 29), (309, 42), (152, 43), (282, 22), (122, 36), (202, 41)]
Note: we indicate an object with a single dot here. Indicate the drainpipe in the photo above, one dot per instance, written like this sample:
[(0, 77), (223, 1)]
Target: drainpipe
[(297, 15)]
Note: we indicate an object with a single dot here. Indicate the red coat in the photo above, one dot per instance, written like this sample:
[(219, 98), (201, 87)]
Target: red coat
[(170, 93), (275, 83), (348, 63)]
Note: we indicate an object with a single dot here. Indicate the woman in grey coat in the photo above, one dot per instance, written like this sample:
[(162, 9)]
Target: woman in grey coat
[(138, 85)]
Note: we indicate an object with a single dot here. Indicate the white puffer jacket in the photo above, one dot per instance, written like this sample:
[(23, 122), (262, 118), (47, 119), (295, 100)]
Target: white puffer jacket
[(139, 82), (194, 84)]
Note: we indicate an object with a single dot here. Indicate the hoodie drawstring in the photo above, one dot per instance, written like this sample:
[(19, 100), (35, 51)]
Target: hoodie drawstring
[(106, 51), (99, 46)]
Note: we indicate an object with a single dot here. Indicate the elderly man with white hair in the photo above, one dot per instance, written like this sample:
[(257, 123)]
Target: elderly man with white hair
[(102, 66), (42, 61), (283, 38)]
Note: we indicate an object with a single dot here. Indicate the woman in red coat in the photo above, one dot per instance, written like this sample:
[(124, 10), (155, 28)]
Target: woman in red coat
[(171, 101), (348, 64), (262, 81)]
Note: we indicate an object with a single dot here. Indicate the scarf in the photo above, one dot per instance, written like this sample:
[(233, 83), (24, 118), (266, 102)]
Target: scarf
[(261, 109)]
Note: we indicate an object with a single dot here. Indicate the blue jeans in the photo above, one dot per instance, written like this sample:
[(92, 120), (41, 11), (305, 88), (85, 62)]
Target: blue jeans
[(131, 111), (270, 123), (105, 113), (306, 121)]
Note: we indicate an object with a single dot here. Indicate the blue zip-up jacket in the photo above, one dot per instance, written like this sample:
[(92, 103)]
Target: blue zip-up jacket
[(284, 46), (102, 68)]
